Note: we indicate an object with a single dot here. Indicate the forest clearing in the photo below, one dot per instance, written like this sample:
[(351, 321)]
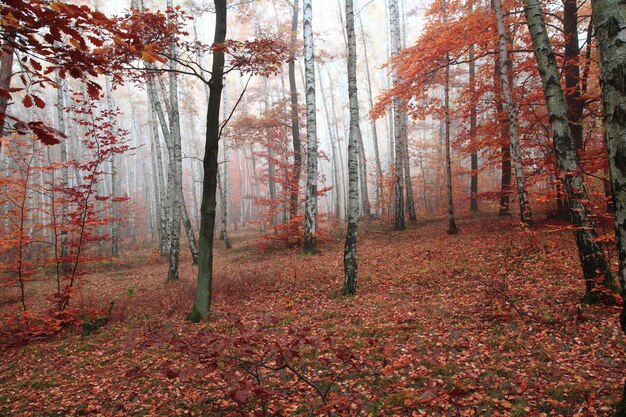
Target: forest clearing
[(487, 322), (313, 208)]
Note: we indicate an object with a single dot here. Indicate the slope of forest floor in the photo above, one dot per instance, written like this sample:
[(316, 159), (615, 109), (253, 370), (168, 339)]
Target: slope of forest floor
[(486, 322)]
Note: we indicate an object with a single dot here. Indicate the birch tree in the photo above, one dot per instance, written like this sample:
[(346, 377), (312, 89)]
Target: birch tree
[(609, 17), (592, 259), (511, 109), (310, 215), (379, 170), (394, 33), (349, 254), (176, 163)]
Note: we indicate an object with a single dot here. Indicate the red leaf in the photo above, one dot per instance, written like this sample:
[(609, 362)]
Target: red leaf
[(27, 101), (39, 102)]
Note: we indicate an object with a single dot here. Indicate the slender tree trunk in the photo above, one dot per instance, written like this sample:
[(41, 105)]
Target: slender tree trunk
[(65, 174), (310, 215), (592, 259), (202, 300), (225, 180), (571, 69), (223, 208), (295, 125), (191, 238), (452, 227), (473, 123), (115, 185), (176, 164), (340, 166), (364, 194), (349, 255), (6, 73), (394, 20), (333, 145), (379, 169), (505, 187), (408, 181), (511, 108)]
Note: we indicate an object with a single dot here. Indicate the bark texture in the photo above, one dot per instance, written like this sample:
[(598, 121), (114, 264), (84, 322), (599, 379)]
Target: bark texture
[(592, 259), (295, 124), (349, 254), (202, 300), (6, 73), (511, 110), (452, 227), (310, 214), (609, 17), (394, 34)]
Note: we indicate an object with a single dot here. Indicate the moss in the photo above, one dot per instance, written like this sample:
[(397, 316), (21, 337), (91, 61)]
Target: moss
[(194, 316)]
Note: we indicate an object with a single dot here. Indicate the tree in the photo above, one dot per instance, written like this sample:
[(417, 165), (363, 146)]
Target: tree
[(512, 112), (591, 255), (202, 300), (452, 227), (310, 214), (609, 17), (349, 254), (394, 16), (295, 124)]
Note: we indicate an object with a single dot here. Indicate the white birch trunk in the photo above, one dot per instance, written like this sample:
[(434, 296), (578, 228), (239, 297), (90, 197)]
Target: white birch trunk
[(310, 215), (511, 109), (399, 134), (350, 253)]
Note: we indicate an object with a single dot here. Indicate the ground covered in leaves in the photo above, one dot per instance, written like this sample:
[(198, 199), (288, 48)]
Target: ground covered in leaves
[(486, 322)]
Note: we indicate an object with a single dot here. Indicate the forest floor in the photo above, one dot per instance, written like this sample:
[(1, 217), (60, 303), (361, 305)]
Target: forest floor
[(486, 322)]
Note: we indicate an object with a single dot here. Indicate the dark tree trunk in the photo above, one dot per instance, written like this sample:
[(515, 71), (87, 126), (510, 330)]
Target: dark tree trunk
[(473, 122), (202, 301), (295, 126), (592, 259), (6, 73)]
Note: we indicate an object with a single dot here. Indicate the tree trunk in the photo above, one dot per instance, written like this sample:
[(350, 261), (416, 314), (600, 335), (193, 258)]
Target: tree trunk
[(571, 69), (310, 215), (295, 125), (591, 256), (202, 300), (191, 238), (349, 255), (609, 17), (473, 123), (160, 183), (364, 194), (394, 20), (511, 109), (115, 184), (65, 175), (225, 181), (340, 166), (379, 169), (6, 73), (176, 163), (505, 184), (452, 227), (408, 182)]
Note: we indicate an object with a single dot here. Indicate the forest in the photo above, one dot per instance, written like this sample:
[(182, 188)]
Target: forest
[(313, 208)]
